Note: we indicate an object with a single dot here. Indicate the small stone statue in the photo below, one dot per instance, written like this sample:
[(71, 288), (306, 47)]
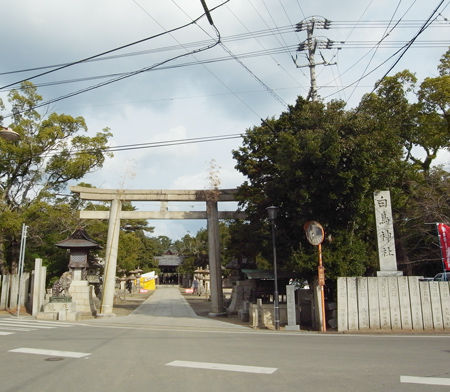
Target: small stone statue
[(61, 286)]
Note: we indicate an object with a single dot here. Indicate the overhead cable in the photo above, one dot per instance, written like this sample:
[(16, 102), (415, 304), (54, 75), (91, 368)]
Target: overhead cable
[(118, 78), (246, 104), (270, 90), (383, 37), (165, 143), (423, 28), (237, 37), (258, 53), (111, 50), (404, 48)]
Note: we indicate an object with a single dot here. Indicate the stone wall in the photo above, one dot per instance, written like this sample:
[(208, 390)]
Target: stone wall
[(9, 292), (392, 303), (262, 315), (30, 292)]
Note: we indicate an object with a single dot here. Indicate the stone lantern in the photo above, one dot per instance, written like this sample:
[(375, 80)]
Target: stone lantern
[(79, 244)]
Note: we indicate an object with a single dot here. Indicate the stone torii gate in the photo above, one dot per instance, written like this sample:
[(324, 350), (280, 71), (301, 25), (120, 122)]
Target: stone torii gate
[(117, 196)]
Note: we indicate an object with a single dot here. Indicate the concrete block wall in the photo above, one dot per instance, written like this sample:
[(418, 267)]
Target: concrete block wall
[(392, 303)]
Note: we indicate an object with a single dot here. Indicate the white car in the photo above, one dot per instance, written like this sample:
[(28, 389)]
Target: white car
[(442, 276)]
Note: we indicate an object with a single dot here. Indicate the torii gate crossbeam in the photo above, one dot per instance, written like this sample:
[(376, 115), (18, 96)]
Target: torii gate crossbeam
[(117, 196)]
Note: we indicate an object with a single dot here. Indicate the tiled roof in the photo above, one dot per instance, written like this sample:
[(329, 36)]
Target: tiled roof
[(78, 239), (169, 260)]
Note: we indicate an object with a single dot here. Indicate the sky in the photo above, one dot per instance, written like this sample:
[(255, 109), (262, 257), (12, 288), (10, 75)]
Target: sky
[(218, 90)]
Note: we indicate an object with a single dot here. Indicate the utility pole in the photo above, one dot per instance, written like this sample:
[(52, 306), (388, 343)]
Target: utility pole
[(311, 45)]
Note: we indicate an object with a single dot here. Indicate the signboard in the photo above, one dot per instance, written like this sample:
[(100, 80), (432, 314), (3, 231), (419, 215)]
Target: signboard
[(314, 232), (385, 231), (321, 275), (444, 243)]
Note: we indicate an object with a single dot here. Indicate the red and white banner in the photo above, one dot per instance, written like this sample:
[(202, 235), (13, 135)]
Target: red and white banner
[(444, 242)]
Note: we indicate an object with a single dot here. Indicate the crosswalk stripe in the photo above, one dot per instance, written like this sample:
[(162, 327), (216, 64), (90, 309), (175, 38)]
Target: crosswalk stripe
[(54, 353), (425, 380), (17, 324), (12, 328), (43, 322), (28, 324), (222, 366)]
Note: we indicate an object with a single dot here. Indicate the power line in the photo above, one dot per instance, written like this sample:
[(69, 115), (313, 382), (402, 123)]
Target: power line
[(204, 66), (214, 75), (270, 90), (301, 9), (266, 52), (423, 28), (101, 54), (256, 38), (383, 37), (110, 81), (121, 77), (165, 143), (273, 22), (237, 37), (405, 47)]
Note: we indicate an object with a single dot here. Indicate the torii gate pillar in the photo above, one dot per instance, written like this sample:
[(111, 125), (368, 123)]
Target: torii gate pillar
[(215, 267), (112, 246)]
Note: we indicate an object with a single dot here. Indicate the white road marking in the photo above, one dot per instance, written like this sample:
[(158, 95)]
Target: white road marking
[(222, 366), (19, 324), (13, 328), (6, 333), (52, 353), (425, 380), (43, 322)]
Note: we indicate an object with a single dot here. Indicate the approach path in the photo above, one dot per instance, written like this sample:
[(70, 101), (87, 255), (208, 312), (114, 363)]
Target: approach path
[(166, 307)]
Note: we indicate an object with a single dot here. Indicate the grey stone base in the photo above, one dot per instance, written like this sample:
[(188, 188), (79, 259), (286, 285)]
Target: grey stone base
[(105, 315), (218, 314), (389, 273), (61, 316), (47, 316), (292, 327)]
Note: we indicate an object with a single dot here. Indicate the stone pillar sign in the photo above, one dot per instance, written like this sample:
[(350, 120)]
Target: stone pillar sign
[(385, 235), (291, 309)]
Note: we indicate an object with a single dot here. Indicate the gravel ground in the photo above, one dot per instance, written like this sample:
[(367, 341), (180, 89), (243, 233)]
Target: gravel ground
[(202, 307), (120, 307), (131, 302)]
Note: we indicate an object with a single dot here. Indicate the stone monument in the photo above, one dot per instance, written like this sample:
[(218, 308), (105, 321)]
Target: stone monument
[(385, 235)]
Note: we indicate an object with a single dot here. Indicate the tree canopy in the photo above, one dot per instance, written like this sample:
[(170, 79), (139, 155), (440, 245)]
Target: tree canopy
[(51, 151), (319, 161)]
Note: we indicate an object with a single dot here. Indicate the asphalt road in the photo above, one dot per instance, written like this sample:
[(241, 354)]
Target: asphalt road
[(164, 346)]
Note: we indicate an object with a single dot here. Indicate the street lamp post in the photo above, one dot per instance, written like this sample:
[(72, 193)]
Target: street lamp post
[(272, 213)]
